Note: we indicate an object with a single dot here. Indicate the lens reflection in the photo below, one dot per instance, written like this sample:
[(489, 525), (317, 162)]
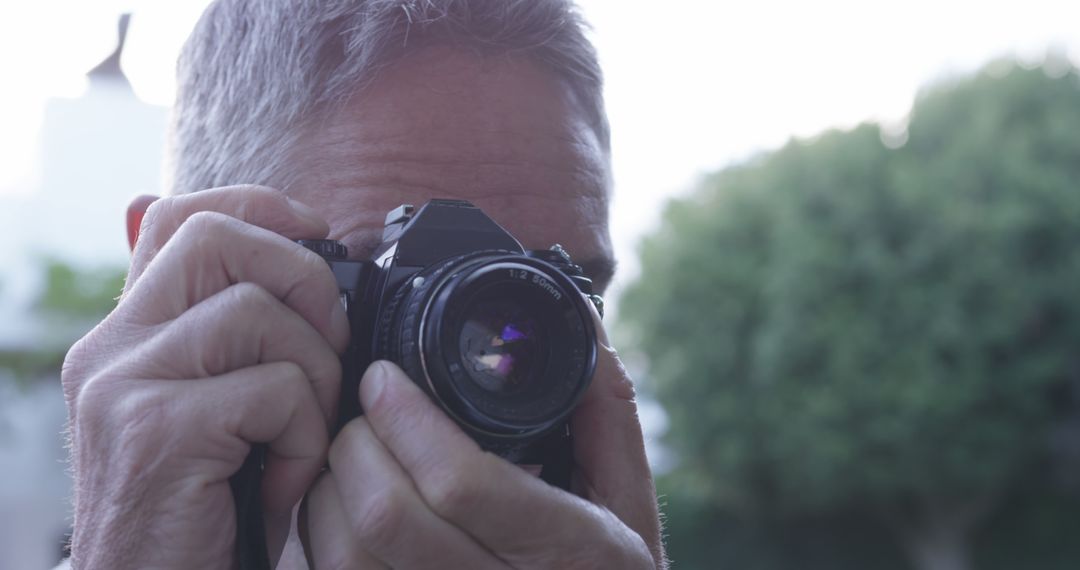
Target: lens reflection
[(501, 346)]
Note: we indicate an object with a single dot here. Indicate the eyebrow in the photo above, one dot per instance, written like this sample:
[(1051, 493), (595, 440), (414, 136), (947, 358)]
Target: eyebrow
[(600, 269)]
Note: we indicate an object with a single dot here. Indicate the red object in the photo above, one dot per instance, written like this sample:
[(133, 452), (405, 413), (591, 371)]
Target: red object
[(135, 212)]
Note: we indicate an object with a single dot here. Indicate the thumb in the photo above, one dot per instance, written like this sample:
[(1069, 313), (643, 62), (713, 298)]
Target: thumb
[(609, 448)]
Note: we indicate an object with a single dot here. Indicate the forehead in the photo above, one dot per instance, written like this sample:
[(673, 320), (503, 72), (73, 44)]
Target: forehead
[(500, 132)]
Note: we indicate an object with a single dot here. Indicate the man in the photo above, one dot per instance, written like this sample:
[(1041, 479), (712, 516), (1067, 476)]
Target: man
[(228, 333)]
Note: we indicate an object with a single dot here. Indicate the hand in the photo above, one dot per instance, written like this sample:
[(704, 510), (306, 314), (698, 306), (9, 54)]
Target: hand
[(408, 489), (226, 334)]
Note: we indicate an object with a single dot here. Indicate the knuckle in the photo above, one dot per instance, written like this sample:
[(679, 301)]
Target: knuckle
[(243, 302), (89, 354), (203, 233), (381, 516), (294, 381), (75, 368), (107, 350), (294, 374), (92, 402), (453, 493), (158, 211), (143, 412), (124, 430), (289, 382), (348, 438), (122, 410), (204, 222), (252, 296)]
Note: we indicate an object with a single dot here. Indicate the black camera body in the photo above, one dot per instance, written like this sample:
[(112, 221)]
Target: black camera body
[(500, 338)]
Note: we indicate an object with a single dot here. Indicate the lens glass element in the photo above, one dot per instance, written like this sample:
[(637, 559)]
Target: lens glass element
[(507, 343), (502, 346)]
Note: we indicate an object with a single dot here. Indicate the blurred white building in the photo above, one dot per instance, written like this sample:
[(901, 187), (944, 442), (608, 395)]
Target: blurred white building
[(97, 151)]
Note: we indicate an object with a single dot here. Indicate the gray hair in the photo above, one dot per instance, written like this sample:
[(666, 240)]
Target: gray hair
[(254, 73)]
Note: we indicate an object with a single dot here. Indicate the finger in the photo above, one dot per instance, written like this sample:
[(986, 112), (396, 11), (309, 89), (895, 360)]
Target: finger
[(208, 424), (268, 403), (256, 205), (387, 515), (609, 448), (241, 326), (212, 251), (329, 542), (516, 516), (177, 443)]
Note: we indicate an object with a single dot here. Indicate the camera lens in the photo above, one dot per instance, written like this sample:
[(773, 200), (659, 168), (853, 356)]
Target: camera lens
[(504, 343)]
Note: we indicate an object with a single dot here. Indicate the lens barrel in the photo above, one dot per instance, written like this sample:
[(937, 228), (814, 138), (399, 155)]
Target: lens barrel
[(504, 343)]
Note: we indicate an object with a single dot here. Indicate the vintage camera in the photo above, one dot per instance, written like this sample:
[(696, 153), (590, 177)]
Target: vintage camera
[(501, 338)]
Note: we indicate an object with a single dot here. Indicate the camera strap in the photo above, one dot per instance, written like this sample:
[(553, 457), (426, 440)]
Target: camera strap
[(246, 484)]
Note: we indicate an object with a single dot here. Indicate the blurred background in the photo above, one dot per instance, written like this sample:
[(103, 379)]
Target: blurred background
[(849, 240)]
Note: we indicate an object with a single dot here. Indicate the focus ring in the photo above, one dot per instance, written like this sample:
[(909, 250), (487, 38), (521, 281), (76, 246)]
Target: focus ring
[(398, 337)]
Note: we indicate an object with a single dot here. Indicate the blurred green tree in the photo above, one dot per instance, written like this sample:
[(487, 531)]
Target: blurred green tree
[(79, 293), (843, 326), (71, 302)]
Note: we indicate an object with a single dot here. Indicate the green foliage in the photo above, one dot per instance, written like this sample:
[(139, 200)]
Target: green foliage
[(71, 302), (1035, 529), (82, 294), (837, 325), (26, 365), (700, 537)]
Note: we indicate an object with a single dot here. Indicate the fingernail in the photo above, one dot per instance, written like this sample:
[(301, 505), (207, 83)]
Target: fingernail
[(374, 381), (305, 211)]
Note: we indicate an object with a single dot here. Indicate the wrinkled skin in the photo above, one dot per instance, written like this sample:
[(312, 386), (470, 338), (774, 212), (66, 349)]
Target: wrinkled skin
[(228, 334)]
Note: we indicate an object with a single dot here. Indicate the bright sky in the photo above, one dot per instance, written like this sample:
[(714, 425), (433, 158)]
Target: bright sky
[(692, 84)]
